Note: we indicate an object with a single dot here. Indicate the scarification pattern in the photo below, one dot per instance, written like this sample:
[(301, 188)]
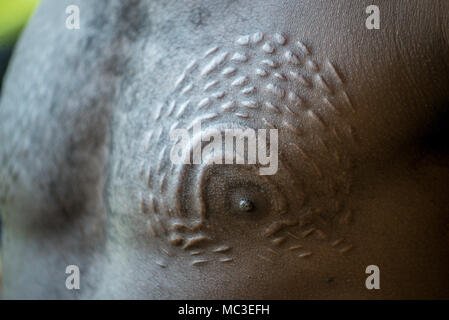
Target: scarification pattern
[(266, 81)]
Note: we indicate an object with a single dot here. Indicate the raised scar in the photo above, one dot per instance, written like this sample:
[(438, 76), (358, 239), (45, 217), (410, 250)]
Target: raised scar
[(263, 73)]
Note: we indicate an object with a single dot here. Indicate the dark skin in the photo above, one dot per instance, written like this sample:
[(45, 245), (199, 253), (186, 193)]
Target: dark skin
[(373, 173)]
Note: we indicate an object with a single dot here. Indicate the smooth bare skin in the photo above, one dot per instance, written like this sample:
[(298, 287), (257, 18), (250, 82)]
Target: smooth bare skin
[(78, 106)]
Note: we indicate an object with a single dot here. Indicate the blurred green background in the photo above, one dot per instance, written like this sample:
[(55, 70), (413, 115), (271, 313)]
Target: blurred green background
[(13, 17)]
